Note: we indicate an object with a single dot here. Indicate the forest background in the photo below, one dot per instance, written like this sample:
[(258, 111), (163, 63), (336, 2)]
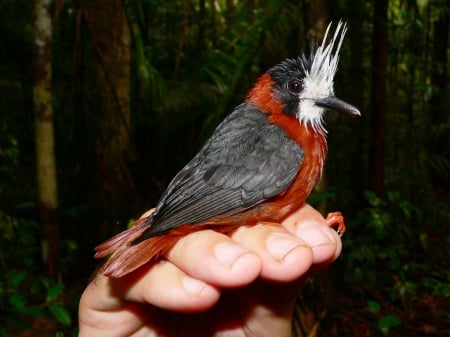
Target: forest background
[(103, 101)]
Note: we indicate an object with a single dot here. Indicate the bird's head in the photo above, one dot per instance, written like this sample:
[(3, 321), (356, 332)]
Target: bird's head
[(303, 87)]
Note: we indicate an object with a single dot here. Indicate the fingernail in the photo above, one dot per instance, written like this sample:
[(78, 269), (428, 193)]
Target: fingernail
[(311, 234), (192, 285), (228, 253), (280, 245)]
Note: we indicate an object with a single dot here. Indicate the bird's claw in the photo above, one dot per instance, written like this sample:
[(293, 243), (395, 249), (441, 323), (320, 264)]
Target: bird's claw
[(336, 219)]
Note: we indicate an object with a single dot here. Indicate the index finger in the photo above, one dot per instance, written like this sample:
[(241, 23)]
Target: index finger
[(310, 226)]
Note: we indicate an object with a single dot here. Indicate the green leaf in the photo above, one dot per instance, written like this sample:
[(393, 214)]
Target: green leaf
[(387, 322), (318, 197), (27, 205), (33, 312), (54, 292), (17, 300), (17, 321), (373, 199), (61, 314), (15, 279), (373, 306)]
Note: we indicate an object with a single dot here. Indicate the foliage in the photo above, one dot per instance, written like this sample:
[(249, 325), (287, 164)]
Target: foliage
[(179, 50), (387, 254), (29, 299)]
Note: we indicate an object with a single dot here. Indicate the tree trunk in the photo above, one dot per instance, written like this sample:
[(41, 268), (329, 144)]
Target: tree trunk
[(109, 30), (378, 97), (439, 71), (355, 78), (439, 103), (47, 186), (316, 20)]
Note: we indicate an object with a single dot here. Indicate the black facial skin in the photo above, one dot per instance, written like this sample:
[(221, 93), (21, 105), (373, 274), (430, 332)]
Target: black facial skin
[(288, 82), (288, 79)]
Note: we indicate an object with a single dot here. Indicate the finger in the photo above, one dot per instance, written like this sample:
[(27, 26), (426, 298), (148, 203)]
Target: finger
[(215, 259), (309, 226), (284, 257), (162, 285)]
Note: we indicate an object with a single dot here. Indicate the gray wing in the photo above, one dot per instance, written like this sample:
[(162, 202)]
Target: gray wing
[(246, 161)]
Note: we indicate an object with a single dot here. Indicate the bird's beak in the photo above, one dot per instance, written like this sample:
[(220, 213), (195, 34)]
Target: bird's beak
[(336, 104)]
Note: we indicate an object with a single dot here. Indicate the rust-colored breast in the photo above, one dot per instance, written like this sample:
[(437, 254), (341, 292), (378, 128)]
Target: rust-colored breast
[(314, 146)]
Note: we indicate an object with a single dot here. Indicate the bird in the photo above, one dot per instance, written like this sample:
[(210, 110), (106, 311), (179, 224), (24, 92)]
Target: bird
[(259, 165)]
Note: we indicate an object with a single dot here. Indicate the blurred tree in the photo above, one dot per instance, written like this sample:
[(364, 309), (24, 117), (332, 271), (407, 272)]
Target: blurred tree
[(45, 147), (439, 104), (438, 133), (357, 12), (316, 18), (378, 109), (109, 31), (439, 69)]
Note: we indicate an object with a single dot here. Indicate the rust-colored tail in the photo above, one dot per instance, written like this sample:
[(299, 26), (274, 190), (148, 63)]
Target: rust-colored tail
[(114, 243), (126, 256)]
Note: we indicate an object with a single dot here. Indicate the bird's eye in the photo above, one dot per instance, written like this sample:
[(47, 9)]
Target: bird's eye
[(295, 86)]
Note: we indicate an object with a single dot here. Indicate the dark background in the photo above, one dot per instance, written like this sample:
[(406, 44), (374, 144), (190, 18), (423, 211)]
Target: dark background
[(133, 88)]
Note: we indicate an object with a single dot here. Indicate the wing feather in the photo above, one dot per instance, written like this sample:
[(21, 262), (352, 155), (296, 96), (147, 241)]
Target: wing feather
[(246, 161)]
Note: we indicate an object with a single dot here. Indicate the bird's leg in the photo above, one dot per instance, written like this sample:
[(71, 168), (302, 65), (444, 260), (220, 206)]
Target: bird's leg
[(336, 219)]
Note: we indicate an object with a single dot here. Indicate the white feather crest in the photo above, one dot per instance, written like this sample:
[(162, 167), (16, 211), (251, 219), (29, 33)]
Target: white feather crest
[(325, 63), (319, 78)]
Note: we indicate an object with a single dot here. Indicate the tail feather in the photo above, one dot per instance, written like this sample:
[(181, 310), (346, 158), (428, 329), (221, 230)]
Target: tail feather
[(127, 254), (118, 240), (129, 258)]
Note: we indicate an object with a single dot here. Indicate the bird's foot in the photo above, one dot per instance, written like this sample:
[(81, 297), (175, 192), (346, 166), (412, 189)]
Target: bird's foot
[(336, 219)]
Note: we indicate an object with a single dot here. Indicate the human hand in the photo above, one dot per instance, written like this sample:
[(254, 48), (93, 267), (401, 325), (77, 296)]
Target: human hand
[(214, 285)]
